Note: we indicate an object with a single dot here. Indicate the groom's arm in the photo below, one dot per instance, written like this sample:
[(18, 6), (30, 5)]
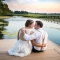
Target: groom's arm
[(29, 37), (37, 44)]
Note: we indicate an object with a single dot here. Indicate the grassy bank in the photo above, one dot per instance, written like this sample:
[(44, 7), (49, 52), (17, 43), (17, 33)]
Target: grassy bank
[(28, 15), (47, 16), (3, 17)]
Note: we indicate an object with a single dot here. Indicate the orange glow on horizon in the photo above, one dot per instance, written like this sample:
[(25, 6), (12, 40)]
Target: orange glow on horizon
[(36, 7)]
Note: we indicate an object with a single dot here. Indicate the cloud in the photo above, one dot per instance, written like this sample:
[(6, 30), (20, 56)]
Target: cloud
[(34, 5), (32, 1)]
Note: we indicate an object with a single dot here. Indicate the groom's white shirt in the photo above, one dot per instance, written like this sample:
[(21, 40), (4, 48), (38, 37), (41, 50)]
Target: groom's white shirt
[(37, 35)]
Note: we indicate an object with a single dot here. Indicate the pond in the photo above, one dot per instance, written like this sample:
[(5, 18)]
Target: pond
[(10, 26)]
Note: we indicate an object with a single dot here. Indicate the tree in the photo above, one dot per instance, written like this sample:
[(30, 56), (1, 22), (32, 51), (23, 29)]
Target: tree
[(20, 12), (4, 8)]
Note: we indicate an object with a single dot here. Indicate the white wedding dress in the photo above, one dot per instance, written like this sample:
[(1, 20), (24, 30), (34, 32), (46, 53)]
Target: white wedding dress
[(21, 48)]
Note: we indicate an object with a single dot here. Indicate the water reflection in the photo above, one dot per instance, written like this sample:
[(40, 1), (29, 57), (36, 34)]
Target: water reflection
[(9, 27), (56, 21), (55, 28), (3, 23)]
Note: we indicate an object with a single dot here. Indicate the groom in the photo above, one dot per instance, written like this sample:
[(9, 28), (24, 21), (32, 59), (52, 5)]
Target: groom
[(37, 37)]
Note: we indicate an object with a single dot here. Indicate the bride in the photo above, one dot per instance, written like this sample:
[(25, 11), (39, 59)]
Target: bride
[(22, 47)]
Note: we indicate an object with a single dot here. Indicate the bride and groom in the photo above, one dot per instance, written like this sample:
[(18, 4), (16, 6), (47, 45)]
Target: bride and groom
[(30, 40)]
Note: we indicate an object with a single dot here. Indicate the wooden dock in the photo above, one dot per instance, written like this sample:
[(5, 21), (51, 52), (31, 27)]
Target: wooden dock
[(51, 53)]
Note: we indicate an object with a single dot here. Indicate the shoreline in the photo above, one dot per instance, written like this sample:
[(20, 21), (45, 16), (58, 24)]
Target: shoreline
[(29, 16), (54, 43)]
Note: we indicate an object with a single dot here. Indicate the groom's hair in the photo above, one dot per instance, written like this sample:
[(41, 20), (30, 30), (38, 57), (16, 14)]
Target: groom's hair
[(28, 22), (39, 23)]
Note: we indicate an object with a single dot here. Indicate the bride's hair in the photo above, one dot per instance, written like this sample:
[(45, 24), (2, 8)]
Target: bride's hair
[(28, 22)]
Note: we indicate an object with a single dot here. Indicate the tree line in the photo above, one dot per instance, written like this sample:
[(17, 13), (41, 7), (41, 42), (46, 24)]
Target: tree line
[(4, 8), (20, 12)]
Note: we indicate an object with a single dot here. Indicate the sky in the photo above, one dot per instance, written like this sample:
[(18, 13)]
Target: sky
[(36, 6)]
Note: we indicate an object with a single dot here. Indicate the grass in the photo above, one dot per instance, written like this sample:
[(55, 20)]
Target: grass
[(3, 17), (1, 22), (29, 15), (32, 15), (9, 33), (47, 16), (0, 26)]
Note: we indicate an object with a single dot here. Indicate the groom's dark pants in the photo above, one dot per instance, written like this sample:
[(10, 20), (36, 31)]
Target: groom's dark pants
[(34, 50)]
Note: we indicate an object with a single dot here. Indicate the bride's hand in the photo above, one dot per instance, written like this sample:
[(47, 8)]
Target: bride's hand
[(31, 32)]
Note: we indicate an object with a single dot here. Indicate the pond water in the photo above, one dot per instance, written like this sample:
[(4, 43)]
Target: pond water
[(10, 26)]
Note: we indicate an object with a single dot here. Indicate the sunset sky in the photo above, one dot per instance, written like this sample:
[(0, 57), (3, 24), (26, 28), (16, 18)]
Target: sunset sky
[(40, 6)]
